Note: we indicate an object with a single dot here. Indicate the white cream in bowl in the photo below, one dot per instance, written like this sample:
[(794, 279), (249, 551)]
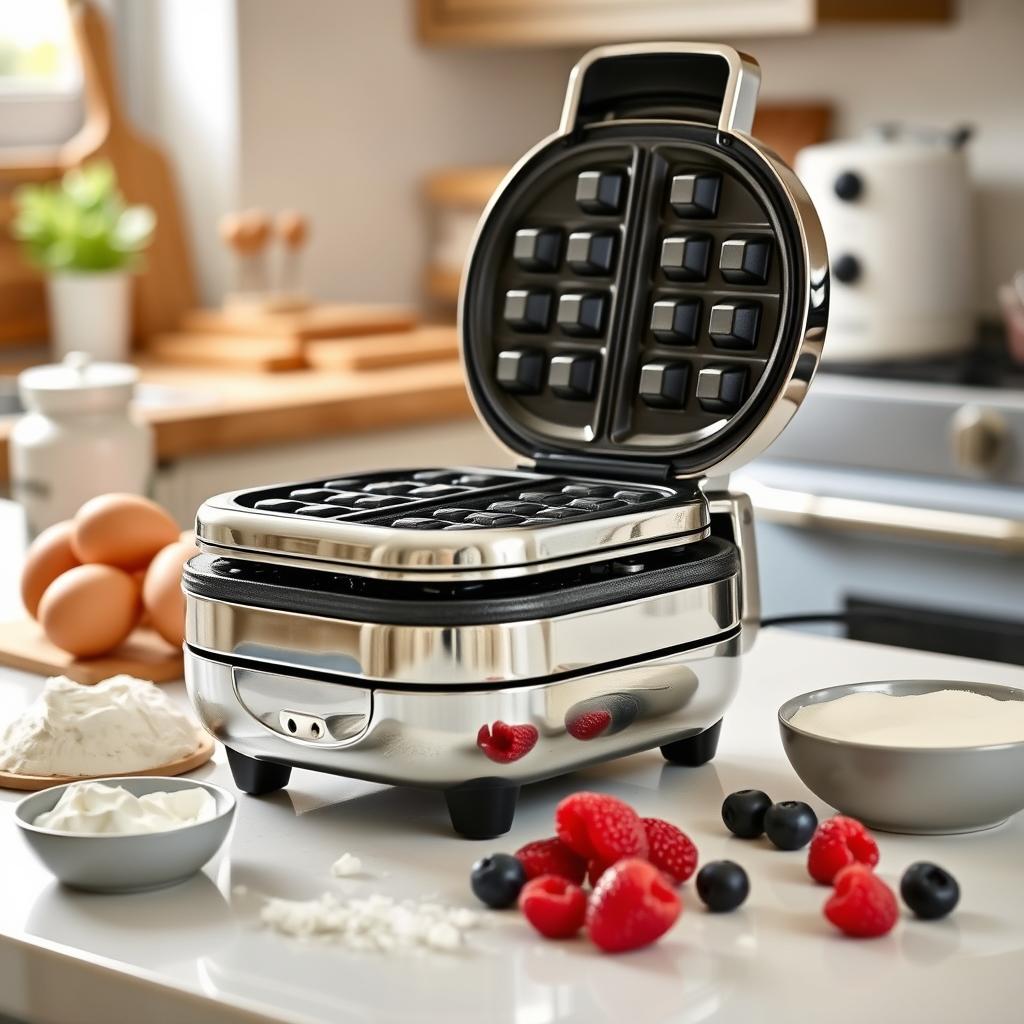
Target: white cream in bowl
[(96, 808), (938, 719)]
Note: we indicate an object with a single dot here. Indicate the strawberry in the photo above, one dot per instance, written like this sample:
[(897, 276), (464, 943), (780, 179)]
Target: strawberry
[(590, 724), (552, 857), (600, 827), (838, 842), (506, 743), (633, 905), (554, 906), (862, 905), (670, 849)]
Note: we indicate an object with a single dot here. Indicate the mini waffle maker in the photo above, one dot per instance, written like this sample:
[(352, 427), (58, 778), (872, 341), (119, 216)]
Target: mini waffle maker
[(642, 311)]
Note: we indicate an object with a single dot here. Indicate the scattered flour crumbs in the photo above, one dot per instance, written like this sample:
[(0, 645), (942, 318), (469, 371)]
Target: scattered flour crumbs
[(373, 923)]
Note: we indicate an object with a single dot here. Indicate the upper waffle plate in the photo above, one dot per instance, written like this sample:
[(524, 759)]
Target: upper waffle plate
[(643, 290)]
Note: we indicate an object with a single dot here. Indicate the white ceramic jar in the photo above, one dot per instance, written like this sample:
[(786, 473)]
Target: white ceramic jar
[(78, 438)]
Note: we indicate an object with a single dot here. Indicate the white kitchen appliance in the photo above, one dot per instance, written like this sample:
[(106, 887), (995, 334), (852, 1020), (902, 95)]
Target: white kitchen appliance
[(896, 209)]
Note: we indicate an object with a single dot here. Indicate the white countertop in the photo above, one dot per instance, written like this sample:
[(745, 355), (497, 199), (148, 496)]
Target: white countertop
[(197, 953)]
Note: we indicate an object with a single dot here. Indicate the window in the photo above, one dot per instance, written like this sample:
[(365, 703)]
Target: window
[(39, 73)]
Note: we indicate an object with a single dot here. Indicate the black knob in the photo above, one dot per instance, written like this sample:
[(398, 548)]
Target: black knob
[(848, 186), (846, 269)]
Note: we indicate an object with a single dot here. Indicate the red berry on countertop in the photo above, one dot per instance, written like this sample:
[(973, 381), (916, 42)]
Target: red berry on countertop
[(554, 906), (552, 857), (633, 905), (862, 905), (670, 849), (837, 843), (505, 743), (600, 827)]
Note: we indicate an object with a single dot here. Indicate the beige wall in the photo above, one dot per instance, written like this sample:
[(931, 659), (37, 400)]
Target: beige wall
[(341, 113)]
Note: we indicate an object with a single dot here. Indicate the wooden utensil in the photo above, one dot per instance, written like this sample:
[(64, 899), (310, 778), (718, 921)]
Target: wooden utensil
[(144, 655), (199, 757)]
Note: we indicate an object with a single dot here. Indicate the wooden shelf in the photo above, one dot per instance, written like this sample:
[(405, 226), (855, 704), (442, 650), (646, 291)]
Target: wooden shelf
[(535, 23)]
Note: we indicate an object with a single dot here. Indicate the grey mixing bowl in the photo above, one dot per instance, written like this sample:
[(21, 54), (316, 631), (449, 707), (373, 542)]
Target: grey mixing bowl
[(126, 863), (918, 790)]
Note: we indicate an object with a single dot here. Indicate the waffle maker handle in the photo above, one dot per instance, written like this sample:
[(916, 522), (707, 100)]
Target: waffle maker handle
[(703, 82)]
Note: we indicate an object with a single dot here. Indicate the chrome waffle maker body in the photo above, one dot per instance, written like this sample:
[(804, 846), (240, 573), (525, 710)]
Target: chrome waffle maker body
[(642, 311)]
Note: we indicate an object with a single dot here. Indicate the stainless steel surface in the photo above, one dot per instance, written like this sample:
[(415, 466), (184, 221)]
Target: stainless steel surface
[(909, 789), (126, 863), (456, 655), (223, 524), (812, 301), (738, 103), (900, 426), (906, 522), (430, 738), (739, 510), (979, 439), (453, 574)]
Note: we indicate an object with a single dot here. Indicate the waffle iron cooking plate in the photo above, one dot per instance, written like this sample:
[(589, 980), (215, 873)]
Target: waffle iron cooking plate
[(643, 309)]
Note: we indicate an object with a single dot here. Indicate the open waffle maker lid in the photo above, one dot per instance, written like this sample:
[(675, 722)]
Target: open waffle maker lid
[(647, 291)]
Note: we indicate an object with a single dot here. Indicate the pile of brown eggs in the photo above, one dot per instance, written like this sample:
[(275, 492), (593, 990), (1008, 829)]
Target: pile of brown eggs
[(89, 581)]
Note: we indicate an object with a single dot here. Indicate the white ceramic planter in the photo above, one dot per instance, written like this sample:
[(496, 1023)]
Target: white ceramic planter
[(91, 312)]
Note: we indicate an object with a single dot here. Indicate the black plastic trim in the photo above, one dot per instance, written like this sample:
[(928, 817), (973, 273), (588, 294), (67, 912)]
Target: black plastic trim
[(362, 599)]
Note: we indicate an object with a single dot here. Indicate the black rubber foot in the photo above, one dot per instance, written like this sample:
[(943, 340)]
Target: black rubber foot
[(694, 750), (257, 777), (482, 812)]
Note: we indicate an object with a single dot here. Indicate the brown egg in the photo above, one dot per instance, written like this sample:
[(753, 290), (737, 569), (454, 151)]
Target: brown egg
[(123, 530), (161, 593), (48, 556), (90, 609)]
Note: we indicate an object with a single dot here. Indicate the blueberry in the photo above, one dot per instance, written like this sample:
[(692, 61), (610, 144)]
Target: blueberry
[(790, 824), (743, 812), (930, 891), (722, 885), (496, 880)]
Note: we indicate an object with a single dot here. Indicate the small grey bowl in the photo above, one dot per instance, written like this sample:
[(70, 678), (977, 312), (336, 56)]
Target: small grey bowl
[(917, 790), (126, 863)]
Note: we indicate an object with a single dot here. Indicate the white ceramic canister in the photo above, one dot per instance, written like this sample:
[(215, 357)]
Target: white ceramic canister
[(78, 438), (896, 209)]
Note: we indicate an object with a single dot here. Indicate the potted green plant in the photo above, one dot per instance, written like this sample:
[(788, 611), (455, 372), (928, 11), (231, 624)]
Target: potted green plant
[(88, 241)]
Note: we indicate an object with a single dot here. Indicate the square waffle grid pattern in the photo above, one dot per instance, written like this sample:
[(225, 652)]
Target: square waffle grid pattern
[(674, 232), (558, 290), (708, 304), (448, 499)]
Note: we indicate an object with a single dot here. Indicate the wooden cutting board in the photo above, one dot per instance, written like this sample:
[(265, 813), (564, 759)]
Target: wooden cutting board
[(199, 757), (322, 320), (144, 655), (385, 351), (195, 348)]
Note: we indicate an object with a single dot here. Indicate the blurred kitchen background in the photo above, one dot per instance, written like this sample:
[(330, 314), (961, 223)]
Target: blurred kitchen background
[(302, 178)]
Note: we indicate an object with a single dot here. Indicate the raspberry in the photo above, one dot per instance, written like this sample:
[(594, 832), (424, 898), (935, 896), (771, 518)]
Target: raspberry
[(600, 827), (590, 724), (862, 905), (506, 743), (595, 869), (633, 905), (552, 857), (837, 843), (554, 906), (670, 850)]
